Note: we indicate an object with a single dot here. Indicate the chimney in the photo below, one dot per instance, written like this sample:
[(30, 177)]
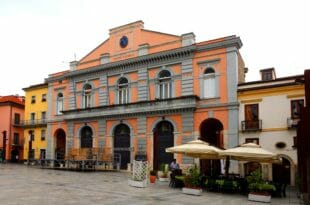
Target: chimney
[(268, 74), (188, 39), (73, 65)]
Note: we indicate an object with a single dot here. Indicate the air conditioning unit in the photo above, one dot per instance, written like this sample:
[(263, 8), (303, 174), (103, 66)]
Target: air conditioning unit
[(292, 122)]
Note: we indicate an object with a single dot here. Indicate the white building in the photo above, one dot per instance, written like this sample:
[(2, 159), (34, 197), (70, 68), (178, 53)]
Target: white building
[(269, 114)]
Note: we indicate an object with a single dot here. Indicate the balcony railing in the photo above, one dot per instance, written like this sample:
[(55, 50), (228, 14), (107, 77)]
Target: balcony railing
[(251, 126), (163, 106), (292, 123), (35, 122)]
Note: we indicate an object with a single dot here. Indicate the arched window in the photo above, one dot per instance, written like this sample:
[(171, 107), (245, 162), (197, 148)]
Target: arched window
[(164, 86), (86, 137), (59, 103), (209, 83), (87, 95), (123, 91)]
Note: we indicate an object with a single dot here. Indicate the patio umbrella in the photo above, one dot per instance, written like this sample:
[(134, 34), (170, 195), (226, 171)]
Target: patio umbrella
[(197, 149), (250, 152)]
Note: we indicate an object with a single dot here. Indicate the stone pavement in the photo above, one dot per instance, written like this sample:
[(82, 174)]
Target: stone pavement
[(26, 185)]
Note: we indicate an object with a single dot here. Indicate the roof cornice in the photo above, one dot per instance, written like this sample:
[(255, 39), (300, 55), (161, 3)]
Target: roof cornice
[(151, 58), (178, 53), (231, 41)]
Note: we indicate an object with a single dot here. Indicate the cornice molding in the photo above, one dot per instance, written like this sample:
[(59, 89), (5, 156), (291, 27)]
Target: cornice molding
[(133, 63), (232, 41)]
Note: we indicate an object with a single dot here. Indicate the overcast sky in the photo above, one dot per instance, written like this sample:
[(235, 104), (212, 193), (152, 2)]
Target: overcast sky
[(40, 37)]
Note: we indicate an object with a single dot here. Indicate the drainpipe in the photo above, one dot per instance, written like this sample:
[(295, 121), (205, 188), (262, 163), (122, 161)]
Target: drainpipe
[(10, 133)]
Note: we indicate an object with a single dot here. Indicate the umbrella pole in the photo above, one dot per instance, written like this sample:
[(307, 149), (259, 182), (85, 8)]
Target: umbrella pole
[(227, 164)]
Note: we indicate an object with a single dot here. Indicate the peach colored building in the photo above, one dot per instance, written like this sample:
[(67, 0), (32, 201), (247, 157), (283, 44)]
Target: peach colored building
[(12, 136), (141, 91)]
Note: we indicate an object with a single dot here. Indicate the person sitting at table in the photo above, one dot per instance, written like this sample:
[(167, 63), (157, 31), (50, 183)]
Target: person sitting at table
[(174, 165)]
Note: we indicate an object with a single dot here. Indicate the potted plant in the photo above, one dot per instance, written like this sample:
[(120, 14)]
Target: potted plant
[(259, 189), (163, 173), (192, 181), (152, 176)]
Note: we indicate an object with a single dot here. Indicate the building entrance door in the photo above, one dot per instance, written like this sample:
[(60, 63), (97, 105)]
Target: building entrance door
[(60, 151), (163, 138), (281, 173), (211, 132), (122, 144)]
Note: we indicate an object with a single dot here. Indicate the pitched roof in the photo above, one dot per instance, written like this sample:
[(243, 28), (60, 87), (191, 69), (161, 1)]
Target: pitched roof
[(11, 98)]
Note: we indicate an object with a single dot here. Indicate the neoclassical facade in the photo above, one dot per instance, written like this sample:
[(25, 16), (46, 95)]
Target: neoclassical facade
[(141, 91)]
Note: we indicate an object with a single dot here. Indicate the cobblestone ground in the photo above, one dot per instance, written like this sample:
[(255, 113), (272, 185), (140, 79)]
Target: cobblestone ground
[(26, 185)]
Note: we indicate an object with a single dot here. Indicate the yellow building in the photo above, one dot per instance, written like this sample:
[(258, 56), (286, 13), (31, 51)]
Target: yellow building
[(35, 122)]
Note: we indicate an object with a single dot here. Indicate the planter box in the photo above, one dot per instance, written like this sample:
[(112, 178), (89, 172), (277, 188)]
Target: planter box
[(190, 191), (259, 198), (163, 179), (140, 184)]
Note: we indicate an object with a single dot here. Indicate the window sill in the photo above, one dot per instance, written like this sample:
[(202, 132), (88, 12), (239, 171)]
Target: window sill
[(210, 98)]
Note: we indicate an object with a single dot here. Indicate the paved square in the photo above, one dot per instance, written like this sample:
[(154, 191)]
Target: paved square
[(21, 184)]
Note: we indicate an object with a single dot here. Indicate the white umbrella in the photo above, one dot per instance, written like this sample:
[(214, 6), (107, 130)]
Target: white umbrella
[(197, 149), (250, 152)]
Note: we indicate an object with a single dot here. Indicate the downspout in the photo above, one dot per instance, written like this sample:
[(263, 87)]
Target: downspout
[(10, 130)]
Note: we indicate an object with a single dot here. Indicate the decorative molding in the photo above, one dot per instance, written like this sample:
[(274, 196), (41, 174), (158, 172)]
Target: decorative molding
[(219, 105), (296, 96), (209, 62), (165, 57), (251, 101)]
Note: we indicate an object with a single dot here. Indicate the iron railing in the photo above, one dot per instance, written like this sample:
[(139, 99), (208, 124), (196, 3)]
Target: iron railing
[(251, 125), (292, 123)]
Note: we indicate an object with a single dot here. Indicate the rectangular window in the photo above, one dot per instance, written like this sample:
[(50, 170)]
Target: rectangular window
[(16, 138), (43, 98), (209, 87), (42, 153), (252, 140), (43, 117), (16, 118), (32, 117), (87, 101), (251, 116), (33, 99), (123, 96), (296, 107), (267, 75), (165, 90), (59, 104), (43, 133)]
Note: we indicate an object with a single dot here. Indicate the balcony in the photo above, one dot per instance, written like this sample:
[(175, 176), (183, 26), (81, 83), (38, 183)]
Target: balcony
[(166, 106), (251, 126), (292, 123), (34, 123)]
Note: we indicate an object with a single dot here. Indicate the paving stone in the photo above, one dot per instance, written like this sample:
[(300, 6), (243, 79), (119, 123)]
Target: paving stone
[(23, 185)]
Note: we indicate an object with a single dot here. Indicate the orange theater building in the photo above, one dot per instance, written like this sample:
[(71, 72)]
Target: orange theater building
[(12, 133), (141, 91)]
